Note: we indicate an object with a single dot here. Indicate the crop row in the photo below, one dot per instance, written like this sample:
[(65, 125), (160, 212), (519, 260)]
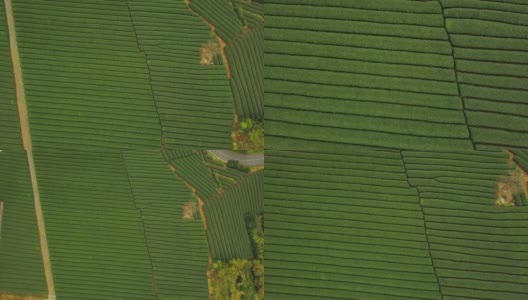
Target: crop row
[(9, 125), (177, 247), (90, 54), (94, 229), (193, 101), (341, 224), (458, 193), (227, 231), (21, 265)]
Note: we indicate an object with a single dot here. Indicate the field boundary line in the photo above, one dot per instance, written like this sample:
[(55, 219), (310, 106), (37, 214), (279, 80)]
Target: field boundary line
[(464, 110), (424, 222), (28, 146), (143, 227), (223, 44)]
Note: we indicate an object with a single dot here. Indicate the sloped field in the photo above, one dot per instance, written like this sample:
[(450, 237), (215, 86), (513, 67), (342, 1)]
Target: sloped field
[(239, 24), (344, 226), (479, 250), (87, 84), (21, 268), (9, 125), (377, 225), (227, 233), (402, 74), (490, 39), (95, 234), (193, 101), (177, 247)]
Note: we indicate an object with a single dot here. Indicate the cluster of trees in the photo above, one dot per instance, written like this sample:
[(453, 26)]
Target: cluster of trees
[(248, 135), (241, 279)]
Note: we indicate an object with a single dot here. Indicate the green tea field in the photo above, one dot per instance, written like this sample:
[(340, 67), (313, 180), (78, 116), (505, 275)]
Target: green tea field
[(404, 74), (367, 224), (132, 74), (123, 224)]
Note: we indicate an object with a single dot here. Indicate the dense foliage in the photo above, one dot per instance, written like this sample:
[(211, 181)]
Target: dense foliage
[(241, 278), (249, 134)]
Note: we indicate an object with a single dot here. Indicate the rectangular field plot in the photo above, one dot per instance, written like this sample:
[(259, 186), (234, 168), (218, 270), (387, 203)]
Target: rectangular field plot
[(87, 82), (342, 226), (9, 125), (95, 234), (21, 268), (177, 247)]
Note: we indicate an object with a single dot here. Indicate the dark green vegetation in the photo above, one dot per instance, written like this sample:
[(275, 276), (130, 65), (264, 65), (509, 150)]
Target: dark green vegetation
[(9, 126), (390, 224), (239, 24), (241, 278), (248, 135), (127, 75), (21, 269), (446, 74)]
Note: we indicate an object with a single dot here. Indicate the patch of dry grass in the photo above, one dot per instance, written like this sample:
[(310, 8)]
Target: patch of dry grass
[(508, 187)]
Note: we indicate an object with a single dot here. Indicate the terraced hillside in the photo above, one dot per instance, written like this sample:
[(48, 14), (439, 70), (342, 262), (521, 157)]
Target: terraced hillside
[(226, 215), (95, 234), (479, 250), (387, 224), (21, 269), (9, 126), (239, 26), (446, 74), (127, 75), (123, 224), (177, 247), (342, 226)]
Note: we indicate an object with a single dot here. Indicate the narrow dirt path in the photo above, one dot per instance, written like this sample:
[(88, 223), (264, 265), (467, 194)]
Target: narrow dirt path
[(28, 146)]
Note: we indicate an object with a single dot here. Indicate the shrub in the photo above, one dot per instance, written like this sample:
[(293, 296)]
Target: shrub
[(248, 135)]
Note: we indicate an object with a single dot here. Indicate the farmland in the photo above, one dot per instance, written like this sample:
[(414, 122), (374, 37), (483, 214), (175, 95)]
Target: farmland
[(9, 126), (21, 269), (118, 224), (426, 75), (392, 224), (127, 74)]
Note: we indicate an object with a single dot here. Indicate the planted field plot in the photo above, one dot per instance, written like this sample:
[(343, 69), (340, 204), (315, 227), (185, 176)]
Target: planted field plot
[(246, 61), (21, 268), (226, 218), (95, 234), (177, 247), (479, 250), (343, 226), (400, 74), (224, 175), (87, 84), (9, 125), (239, 25), (193, 101), (490, 41), (192, 170)]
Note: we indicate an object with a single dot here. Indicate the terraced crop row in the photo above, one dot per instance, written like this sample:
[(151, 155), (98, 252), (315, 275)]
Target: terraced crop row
[(87, 84), (192, 169), (490, 39), (96, 239), (240, 25), (479, 250), (177, 247), (21, 268), (225, 213), (9, 125), (246, 62), (344, 225), (221, 15), (445, 74), (224, 175), (388, 224), (193, 101)]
